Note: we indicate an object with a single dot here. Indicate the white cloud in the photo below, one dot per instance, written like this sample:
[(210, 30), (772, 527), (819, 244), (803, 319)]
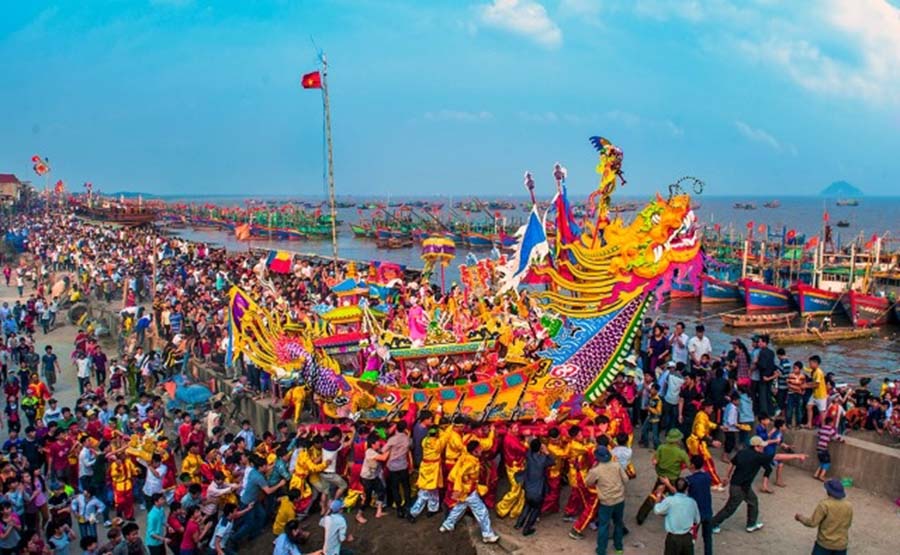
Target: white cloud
[(522, 17), (542, 117), (757, 135), (457, 115)]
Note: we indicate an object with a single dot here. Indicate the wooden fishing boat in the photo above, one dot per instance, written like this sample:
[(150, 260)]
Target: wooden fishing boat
[(813, 300), (762, 296), (866, 310), (716, 290), (757, 320), (834, 334)]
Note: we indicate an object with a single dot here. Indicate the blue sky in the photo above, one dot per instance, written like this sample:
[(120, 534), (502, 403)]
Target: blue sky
[(453, 97)]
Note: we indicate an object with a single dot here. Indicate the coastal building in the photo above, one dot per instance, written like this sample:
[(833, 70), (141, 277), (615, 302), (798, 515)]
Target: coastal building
[(10, 188)]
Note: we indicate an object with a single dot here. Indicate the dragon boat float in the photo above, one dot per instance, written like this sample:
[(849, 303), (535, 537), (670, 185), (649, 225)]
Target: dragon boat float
[(523, 352)]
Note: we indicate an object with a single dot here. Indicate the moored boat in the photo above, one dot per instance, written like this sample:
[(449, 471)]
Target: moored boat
[(866, 310), (813, 300), (757, 320), (716, 290), (814, 336), (683, 290), (762, 296)]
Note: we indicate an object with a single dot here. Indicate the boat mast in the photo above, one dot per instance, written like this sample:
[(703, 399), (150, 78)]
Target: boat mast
[(334, 248)]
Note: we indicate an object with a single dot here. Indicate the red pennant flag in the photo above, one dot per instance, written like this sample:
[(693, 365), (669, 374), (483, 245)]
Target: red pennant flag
[(750, 224), (761, 228), (812, 243), (791, 234), (825, 216), (717, 227), (312, 80), (871, 243)]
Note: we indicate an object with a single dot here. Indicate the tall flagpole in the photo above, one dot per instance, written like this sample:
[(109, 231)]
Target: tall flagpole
[(334, 248)]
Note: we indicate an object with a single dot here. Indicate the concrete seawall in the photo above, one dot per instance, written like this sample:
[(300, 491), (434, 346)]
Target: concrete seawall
[(872, 467)]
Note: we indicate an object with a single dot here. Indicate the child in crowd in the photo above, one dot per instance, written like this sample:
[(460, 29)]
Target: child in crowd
[(827, 434)]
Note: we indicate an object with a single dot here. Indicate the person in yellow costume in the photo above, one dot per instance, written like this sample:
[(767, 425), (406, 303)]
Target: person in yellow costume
[(558, 449), (431, 476), (294, 398), (286, 511), (578, 460), (701, 436), (305, 466), (514, 449), (464, 490), (192, 463), (122, 472), (454, 446)]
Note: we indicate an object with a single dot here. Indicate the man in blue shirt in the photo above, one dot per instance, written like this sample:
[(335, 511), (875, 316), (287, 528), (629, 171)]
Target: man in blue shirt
[(682, 515), (156, 526), (254, 490), (699, 484)]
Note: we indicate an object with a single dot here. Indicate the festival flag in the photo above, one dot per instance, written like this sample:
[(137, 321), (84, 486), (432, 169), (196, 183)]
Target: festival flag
[(242, 232), (60, 187), (717, 227), (762, 228), (312, 80), (280, 262), (750, 225), (532, 245), (791, 234), (812, 243), (871, 243), (825, 217)]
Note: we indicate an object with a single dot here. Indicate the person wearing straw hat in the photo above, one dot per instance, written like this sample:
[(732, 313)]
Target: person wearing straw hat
[(669, 460), (832, 518)]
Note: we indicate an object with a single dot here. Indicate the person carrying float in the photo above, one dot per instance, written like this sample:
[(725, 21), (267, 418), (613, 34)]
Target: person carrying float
[(465, 492), (431, 477), (514, 450)]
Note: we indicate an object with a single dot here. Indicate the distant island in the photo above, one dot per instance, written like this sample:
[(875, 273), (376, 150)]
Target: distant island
[(841, 189)]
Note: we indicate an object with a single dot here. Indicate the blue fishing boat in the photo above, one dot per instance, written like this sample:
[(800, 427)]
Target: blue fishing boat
[(813, 300), (716, 290), (762, 296)]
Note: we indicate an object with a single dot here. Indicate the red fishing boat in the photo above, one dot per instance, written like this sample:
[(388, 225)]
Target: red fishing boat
[(866, 310)]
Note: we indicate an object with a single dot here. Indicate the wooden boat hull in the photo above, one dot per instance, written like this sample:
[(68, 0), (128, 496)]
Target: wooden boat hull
[(716, 290), (803, 336), (760, 296), (866, 310), (757, 320), (814, 301)]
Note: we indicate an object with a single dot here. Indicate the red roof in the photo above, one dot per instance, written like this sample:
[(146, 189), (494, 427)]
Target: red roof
[(8, 178)]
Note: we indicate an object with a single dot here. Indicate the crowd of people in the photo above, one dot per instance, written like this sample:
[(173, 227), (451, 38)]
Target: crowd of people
[(209, 483)]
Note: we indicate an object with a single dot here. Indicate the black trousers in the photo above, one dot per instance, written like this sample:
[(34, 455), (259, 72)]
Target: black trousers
[(397, 480), (647, 507), (679, 544), (706, 529), (531, 513), (736, 496), (372, 490)]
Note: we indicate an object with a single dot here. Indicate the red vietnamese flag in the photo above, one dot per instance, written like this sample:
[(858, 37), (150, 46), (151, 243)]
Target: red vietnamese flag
[(871, 243), (812, 243), (791, 234), (750, 225), (762, 228), (312, 80), (826, 217)]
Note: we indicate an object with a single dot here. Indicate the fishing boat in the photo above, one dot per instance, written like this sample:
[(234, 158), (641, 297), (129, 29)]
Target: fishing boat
[(478, 241), (843, 223), (788, 336), (847, 202), (866, 310), (744, 206), (360, 230), (813, 300), (772, 204), (757, 320), (762, 296), (716, 290)]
